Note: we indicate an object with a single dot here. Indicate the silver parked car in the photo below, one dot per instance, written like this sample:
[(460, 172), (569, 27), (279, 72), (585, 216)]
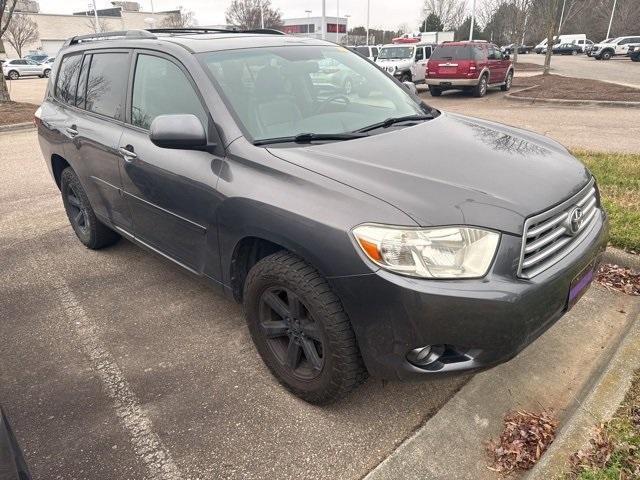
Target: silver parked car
[(14, 69)]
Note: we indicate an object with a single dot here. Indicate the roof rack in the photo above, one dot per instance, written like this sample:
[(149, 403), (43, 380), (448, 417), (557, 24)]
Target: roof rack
[(91, 37), (149, 33), (266, 31)]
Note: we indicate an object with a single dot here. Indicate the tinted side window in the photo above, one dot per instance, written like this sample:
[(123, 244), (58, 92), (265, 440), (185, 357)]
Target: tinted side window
[(427, 51), (82, 82), (419, 53), (65, 89), (374, 50), (107, 84), (161, 88)]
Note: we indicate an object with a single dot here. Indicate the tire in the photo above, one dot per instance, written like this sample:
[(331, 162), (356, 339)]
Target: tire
[(47, 73), (635, 59), (312, 329), (480, 89), (435, 91), (90, 231), (574, 52), (405, 77), (507, 83), (606, 55), (13, 75)]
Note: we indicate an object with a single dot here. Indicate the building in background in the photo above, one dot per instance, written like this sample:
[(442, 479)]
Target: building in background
[(336, 27), (54, 29)]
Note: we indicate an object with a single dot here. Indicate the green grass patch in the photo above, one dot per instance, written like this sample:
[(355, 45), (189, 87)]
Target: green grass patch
[(618, 176), (614, 450)]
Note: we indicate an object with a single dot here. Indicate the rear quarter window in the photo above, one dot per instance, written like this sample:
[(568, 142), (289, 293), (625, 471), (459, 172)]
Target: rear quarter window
[(67, 79)]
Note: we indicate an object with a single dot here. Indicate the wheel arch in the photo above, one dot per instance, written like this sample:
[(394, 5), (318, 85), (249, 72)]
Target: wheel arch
[(58, 164)]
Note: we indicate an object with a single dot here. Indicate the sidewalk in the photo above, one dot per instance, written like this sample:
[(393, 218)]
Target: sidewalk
[(556, 372)]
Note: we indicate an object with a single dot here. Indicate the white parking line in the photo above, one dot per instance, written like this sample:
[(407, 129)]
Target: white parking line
[(146, 444)]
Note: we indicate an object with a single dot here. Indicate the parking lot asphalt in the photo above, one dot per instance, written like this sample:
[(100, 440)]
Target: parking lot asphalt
[(604, 129), (619, 69), (116, 364)]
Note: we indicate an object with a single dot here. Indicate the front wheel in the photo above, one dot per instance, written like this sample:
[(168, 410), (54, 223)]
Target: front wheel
[(47, 73), (507, 83), (13, 75), (606, 55), (90, 231), (481, 88), (301, 330)]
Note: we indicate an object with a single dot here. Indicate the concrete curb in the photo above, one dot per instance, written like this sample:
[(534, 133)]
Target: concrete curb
[(558, 372), (17, 126), (560, 101), (599, 406), (622, 258)]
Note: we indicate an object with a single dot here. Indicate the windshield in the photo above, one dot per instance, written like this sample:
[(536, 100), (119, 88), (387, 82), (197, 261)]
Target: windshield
[(286, 91), (388, 53)]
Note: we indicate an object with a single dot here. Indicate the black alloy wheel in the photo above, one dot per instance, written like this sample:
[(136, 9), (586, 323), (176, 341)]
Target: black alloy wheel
[(293, 336)]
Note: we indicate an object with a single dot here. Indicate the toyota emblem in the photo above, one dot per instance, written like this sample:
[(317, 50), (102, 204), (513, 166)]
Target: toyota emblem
[(574, 221)]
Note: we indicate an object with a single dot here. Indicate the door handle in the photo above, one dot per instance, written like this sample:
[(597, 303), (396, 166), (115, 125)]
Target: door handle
[(127, 153), (72, 131)]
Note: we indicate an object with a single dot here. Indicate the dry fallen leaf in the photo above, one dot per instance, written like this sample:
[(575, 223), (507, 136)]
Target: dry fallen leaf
[(619, 278), (524, 439)]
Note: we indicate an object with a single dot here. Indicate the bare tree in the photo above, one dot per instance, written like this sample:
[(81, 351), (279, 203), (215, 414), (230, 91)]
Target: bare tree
[(450, 12), (246, 14), (549, 12), (21, 30), (6, 12), (102, 24), (179, 19)]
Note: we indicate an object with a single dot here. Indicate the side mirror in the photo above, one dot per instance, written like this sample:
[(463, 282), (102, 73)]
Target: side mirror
[(411, 87), (180, 131)]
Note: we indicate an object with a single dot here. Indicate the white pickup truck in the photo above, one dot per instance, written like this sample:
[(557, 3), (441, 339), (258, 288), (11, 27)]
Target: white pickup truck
[(608, 49)]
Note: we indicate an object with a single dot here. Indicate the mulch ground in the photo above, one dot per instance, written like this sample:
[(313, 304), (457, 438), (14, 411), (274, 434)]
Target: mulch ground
[(16, 112), (568, 88), (527, 67)]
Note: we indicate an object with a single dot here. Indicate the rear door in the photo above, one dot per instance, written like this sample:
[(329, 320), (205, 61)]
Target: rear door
[(171, 192), (95, 128), (420, 65), (497, 71)]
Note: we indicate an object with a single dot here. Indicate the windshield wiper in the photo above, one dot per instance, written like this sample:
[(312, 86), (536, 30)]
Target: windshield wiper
[(310, 137), (393, 120)]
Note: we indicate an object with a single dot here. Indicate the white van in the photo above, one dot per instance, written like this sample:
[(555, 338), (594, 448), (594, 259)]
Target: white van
[(577, 38)]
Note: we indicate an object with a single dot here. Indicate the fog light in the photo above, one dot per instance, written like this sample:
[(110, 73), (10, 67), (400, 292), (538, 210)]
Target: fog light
[(423, 356)]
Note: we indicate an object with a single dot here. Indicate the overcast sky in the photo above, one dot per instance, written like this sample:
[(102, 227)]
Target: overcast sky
[(384, 13)]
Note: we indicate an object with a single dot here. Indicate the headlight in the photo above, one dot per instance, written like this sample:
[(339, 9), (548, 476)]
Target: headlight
[(442, 252)]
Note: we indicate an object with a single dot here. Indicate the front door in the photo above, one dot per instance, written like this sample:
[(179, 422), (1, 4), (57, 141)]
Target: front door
[(420, 65), (171, 193)]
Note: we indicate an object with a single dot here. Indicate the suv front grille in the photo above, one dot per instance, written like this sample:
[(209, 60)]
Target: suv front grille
[(550, 236)]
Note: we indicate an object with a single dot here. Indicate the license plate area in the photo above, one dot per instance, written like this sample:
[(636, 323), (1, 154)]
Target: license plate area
[(580, 284)]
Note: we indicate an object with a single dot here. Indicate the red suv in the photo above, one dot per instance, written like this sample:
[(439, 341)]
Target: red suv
[(473, 66)]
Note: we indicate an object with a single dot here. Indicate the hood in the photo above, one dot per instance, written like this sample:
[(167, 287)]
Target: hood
[(394, 62), (452, 170)]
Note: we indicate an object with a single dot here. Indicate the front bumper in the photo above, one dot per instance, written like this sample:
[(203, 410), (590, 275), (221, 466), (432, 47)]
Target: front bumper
[(483, 322), (451, 82)]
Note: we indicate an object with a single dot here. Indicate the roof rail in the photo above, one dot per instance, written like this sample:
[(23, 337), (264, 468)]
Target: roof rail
[(92, 37), (267, 31)]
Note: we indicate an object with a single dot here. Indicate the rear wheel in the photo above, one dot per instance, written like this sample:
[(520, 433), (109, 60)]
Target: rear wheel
[(90, 231), (435, 91), (481, 88), (301, 330), (507, 83)]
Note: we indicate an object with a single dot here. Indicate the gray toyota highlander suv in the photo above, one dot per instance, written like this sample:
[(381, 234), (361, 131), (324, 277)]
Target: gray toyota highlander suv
[(363, 232)]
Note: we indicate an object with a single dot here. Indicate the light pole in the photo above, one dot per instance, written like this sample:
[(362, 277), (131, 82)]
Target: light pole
[(368, 16), (347, 27), (261, 14), (473, 20), (613, 10), (95, 14), (324, 20), (308, 12)]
